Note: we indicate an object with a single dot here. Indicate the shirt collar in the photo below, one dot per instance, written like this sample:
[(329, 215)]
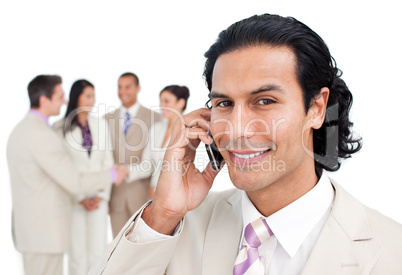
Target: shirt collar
[(40, 115), (292, 224), (133, 110)]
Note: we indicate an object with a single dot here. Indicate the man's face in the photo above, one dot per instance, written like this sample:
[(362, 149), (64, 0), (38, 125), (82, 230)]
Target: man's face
[(258, 118), (128, 91), (55, 102)]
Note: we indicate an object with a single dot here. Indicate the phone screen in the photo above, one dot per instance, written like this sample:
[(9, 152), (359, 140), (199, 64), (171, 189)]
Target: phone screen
[(214, 155)]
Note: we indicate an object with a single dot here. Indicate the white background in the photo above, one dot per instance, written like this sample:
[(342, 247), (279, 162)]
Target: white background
[(164, 42)]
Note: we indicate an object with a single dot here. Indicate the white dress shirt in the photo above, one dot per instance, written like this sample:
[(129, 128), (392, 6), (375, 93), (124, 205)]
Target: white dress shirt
[(133, 110), (296, 228)]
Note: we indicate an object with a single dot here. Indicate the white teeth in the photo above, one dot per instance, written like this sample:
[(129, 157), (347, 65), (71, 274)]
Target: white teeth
[(249, 156)]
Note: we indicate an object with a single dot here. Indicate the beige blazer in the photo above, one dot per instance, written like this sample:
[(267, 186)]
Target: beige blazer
[(354, 240), (43, 176), (101, 156), (128, 150)]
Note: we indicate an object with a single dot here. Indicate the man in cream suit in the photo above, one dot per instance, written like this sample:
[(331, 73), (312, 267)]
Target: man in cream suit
[(42, 178), (280, 117), (129, 127)]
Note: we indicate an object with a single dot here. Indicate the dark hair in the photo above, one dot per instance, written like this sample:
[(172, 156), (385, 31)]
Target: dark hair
[(42, 85), (76, 90), (128, 74), (315, 69), (179, 92)]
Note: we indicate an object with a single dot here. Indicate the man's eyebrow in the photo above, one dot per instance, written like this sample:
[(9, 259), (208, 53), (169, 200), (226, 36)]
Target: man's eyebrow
[(265, 88), (213, 95)]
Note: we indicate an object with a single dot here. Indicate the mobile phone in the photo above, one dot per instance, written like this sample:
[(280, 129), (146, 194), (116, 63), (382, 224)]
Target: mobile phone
[(214, 155)]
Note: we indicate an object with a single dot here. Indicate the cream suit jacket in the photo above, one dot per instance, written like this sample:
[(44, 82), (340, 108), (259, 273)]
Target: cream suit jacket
[(101, 156), (128, 150), (42, 177), (355, 240)]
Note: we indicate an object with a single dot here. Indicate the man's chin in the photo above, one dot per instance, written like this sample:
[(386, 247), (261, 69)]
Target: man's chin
[(245, 180), (55, 113)]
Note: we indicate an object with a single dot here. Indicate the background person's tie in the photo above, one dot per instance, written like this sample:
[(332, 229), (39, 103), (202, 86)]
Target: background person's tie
[(126, 123), (248, 261)]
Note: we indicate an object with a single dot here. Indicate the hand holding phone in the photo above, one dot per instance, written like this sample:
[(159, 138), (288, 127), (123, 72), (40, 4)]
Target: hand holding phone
[(214, 155), (181, 186)]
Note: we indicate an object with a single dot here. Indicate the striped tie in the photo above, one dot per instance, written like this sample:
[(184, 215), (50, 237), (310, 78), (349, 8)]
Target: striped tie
[(126, 123), (248, 260)]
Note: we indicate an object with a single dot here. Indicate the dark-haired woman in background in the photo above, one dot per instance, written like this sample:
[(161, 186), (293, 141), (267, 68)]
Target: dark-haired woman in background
[(87, 141), (173, 101)]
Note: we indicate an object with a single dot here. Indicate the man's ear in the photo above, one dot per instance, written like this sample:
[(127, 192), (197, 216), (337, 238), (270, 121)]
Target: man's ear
[(43, 100), (318, 108)]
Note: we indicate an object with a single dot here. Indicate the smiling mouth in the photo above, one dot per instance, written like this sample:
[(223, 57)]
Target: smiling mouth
[(249, 156)]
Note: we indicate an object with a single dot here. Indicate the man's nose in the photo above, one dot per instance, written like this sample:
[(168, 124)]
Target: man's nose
[(238, 121)]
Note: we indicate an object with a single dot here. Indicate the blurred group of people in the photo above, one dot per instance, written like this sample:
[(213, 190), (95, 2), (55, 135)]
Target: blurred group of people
[(66, 178)]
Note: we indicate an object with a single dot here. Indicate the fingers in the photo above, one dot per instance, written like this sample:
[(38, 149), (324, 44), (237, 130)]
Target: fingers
[(193, 126), (198, 118), (122, 172), (97, 199), (83, 202), (197, 123), (91, 204), (122, 169), (198, 133)]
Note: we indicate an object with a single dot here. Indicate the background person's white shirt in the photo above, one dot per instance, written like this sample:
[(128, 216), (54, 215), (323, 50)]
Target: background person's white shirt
[(133, 110)]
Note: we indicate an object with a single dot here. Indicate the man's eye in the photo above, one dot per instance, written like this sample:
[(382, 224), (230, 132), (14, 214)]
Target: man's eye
[(224, 104), (265, 101)]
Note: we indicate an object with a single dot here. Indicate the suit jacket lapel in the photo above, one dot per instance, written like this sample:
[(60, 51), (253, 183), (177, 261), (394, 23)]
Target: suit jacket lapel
[(94, 131), (74, 139), (223, 236), (114, 124), (345, 245)]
